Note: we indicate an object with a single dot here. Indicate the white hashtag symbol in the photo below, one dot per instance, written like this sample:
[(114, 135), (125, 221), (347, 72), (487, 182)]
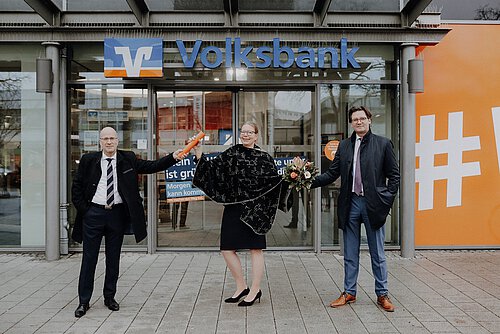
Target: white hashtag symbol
[(428, 147)]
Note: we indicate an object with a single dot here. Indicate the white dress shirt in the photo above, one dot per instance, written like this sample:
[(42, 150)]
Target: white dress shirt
[(101, 192)]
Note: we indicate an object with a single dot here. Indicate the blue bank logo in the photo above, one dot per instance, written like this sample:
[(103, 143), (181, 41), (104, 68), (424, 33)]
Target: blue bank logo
[(133, 57)]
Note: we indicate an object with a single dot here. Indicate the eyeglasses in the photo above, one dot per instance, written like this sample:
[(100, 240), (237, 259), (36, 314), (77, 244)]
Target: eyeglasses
[(109, 139), (247, 133), (361, 119)]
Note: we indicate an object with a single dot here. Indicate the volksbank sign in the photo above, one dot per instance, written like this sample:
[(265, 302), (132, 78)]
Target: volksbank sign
[(306, 57), (234, 55)]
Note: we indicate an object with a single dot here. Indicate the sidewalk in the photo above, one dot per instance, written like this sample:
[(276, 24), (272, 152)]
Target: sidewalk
[(437, 292)]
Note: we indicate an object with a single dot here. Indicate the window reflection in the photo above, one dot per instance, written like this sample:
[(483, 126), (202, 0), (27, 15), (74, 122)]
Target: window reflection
[(95, 106), (382, 101)]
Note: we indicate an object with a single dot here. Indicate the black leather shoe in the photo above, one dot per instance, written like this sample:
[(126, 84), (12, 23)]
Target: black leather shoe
[(112, 304), (81, 310)]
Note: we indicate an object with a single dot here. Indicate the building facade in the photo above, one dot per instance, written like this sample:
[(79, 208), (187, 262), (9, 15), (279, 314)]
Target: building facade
[(293, 67)]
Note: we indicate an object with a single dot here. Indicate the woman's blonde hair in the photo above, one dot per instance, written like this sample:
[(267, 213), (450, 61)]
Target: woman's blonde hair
[(252, 124)]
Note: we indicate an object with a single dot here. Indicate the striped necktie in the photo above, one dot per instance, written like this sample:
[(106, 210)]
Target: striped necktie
[(110, 191)]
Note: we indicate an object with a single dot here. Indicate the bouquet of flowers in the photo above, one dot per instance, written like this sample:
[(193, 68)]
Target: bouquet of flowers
[(300, 174)]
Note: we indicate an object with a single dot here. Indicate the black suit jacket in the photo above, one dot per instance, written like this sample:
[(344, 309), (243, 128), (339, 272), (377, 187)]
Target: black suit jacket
[(128, 166), (379, 174)]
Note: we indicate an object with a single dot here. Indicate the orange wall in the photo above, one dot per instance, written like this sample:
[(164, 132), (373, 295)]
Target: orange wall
[(462, 74)]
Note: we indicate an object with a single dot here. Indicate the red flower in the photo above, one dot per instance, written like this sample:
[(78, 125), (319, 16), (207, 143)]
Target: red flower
[(293, 175)]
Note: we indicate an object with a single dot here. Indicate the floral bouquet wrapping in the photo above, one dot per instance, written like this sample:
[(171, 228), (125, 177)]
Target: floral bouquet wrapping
[(300, 174)]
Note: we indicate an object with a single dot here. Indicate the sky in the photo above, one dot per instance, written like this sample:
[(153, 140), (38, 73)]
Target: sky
[(461, 9)]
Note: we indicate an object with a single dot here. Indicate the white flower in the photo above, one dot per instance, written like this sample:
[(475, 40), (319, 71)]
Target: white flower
[(307, 175)]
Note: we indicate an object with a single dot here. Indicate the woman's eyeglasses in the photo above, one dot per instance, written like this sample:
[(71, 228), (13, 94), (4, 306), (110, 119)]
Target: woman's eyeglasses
[(247, 133)]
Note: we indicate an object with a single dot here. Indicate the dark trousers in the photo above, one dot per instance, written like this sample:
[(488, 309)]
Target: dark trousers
[(98, 223)]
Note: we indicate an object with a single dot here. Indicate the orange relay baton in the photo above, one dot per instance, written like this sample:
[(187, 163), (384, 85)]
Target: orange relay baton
[(192, 144)]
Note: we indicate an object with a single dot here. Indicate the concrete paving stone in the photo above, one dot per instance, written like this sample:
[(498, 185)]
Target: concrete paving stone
[(12, 317), (185, 291), (492, 326), (473, 330), (462, 321), (81, 330), (439, 326), (21, 330), (484, 316), (351, 329), (52, 327), (292, 325), (428, 316), (470, 307), (140, 330), (5, 325), (451, 311), (405, 324), (380, 327)]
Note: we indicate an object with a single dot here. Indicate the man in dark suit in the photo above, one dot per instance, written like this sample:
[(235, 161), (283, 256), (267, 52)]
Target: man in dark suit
[(369, 175), (106, 195)]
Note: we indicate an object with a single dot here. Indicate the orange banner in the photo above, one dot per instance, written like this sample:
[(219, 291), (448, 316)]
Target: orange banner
[(458, 140)]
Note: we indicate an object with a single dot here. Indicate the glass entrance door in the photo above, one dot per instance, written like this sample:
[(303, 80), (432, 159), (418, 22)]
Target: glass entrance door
[(285, 120), (185, 218)]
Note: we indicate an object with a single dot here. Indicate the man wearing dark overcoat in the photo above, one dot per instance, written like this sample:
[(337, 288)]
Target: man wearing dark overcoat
[(369, 174), (106, 195)]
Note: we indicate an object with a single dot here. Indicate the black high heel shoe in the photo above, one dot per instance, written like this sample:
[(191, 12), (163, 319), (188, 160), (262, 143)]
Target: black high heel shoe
[(238, 297), (250, 303)]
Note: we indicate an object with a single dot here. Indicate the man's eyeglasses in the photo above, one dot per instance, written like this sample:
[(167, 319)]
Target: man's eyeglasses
[(247, 133), (361, 119), (109, 139)]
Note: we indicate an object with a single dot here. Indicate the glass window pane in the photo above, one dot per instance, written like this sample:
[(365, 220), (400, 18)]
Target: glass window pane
[(466, 10), (364, 5), (93, 5), (122, 107), (185, 217), (22, 148), (193, 5), (285, 121), (296, 5), (336, 100), (15, 5)]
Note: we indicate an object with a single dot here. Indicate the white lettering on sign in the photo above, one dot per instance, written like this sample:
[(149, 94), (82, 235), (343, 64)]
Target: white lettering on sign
[(495, 113), (454, 171)]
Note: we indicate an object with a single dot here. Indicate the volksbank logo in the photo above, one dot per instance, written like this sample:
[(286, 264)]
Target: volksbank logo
[(143, 57), (306, 57), (133, 57)]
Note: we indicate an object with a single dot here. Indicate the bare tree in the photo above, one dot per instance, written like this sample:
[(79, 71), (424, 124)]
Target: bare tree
[(487, 13), (10, 101)]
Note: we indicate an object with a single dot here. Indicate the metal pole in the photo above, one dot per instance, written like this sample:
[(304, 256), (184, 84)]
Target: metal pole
[(63, 239), (52, 158), (407, 154), (152, 178), (316, 216)]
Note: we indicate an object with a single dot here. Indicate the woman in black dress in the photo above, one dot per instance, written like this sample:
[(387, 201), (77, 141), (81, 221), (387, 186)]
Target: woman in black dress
[(245, 179)]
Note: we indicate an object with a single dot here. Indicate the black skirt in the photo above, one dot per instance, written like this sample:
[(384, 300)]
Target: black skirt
[(235, 234)]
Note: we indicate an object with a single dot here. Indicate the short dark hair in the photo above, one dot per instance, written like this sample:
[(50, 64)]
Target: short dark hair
[(354, 109)]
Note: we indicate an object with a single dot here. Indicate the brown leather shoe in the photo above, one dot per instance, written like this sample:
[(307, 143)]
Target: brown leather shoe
[(385, 303), (344, 298)]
